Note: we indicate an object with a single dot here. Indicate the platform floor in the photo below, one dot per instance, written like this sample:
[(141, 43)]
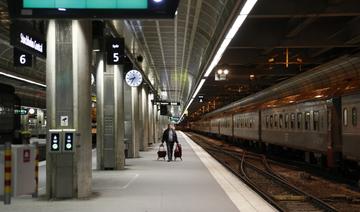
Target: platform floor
[(196, 184)]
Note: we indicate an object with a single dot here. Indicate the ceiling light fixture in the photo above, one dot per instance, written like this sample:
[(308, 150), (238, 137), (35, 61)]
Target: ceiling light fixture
[(22, 79), (248, 6), (198, 88)]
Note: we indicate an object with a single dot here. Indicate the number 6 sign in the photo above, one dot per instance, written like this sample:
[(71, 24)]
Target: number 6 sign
[(22, 58)]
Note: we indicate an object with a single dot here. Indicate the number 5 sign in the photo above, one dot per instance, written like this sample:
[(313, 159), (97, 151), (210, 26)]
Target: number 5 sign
[(22, 58), (115, 48)]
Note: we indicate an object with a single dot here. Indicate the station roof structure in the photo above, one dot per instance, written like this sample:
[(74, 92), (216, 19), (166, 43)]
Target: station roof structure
[(278, 40)]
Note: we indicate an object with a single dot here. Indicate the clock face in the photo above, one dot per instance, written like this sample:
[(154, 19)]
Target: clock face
[(134, 78)]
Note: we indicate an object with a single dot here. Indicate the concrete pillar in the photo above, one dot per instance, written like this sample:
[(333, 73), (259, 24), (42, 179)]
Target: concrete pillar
[(150, 119), (128, 120), (68, 175), (132, 132), (135, 119), (110, 116), (156, 124), (141, 123), (145, 119)]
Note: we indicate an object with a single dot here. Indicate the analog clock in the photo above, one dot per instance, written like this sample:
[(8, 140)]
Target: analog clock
[(133, 78)]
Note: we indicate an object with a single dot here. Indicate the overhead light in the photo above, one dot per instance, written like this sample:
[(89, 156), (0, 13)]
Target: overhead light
[(230, 35), (157, 1), (319, 96), (226, 71), (62, 9), (220, 71), (31, 111), (252, 76), (199, 87), (248, 6), (22, 79), (291, 101), (236, 26), (176, 12)]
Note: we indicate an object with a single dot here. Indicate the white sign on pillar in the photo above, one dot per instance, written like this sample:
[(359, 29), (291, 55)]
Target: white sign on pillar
[(64, 121)]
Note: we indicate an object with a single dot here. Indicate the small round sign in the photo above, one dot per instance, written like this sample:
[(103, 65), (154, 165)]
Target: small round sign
[(68, 146), (55, 146)]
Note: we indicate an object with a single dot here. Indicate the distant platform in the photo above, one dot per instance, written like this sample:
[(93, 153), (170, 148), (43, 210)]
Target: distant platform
[(197, 184)]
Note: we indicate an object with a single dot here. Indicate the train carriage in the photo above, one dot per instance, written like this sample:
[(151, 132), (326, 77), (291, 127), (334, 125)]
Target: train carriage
[(226, 126), (302, 126), (351, 127), (247, 126)]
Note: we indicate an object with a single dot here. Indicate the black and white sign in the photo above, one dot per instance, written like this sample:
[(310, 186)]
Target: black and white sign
[(115, 48), (69, 141), (27, 40), (161, 102), (201, 98), (64, 121), (55, 142), (22, 58)]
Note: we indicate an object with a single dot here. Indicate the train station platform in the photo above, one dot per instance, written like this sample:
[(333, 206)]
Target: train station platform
[(198, 183)]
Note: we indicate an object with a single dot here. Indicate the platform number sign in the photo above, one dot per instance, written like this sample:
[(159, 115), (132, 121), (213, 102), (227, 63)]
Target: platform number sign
[(22, 58), (115, 48)]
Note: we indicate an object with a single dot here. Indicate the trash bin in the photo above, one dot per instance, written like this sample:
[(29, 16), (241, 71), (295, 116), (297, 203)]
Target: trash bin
[(23, 169)]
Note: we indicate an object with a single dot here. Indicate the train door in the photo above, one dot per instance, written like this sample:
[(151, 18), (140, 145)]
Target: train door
[(334, 132)]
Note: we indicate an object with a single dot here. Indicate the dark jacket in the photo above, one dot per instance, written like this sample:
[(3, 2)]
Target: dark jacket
[(166, 135)]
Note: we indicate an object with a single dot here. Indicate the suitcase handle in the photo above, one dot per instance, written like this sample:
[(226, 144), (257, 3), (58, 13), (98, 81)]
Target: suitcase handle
[(161, 147)]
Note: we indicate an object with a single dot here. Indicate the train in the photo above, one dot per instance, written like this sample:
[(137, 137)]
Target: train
[(314, 115), (9, 120)]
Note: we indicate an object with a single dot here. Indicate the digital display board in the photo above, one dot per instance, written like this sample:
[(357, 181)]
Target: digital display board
[(92, 9), (86, 4)]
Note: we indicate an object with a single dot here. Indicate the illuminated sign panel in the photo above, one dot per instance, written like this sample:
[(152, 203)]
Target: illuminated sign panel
[(86, 4), (93, 9)]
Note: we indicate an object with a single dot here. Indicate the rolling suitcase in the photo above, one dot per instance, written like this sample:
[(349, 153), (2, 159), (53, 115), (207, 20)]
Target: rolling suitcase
[(178, 151), (162, 152)]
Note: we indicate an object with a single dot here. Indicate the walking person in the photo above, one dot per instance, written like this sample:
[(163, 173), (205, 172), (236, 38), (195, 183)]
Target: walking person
[(170, 137)]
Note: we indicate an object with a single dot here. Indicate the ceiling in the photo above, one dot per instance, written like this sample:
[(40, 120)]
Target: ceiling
[(313, 32), (178, 51)]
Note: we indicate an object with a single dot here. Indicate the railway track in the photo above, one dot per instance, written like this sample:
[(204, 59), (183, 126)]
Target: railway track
[(257, 173)]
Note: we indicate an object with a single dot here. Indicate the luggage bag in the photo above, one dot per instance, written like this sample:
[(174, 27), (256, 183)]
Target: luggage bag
[(178, 151), (162, 152)]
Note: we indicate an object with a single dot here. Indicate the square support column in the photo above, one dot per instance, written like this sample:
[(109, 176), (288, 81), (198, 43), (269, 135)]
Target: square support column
[(68, 102), (110, 116)]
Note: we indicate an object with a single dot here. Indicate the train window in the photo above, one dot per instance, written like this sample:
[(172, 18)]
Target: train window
[(328, 120), (271, 121), (299, 120), (307, 120), (354, 116), (316, 120), (345, 117), (267, 121), (286, 121), (292, 122), (276, 120), (281, 121)]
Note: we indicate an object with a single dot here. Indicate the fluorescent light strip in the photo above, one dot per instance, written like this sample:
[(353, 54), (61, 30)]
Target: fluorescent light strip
[(230, 35), (199, 87), (22, 79), (249, 5)]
